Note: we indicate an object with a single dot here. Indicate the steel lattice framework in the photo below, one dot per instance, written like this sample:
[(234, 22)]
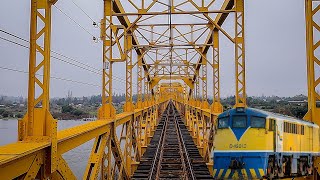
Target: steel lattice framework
[(168, 43)]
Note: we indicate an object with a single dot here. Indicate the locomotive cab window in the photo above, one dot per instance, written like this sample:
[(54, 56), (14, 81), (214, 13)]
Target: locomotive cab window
[(258, 122), (239, 121), (223, 122)]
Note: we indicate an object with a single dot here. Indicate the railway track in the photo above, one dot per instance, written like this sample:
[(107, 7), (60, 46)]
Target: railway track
[(172, 153)]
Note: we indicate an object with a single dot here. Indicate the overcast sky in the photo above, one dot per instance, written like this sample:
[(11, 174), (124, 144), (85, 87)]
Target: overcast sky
[(275, 49)]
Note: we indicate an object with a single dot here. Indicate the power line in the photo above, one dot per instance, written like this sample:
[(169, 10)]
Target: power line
[(94, 22), (53, 77), (84, 64), (13, 42), (13, 35), (57, 58), (96, 71), (94, 38), (89, 70), (55, 52)]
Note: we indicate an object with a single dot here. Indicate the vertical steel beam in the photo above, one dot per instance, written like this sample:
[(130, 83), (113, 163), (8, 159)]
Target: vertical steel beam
[(312, 7), (39, 63), (38, 124), (216, 105), (240, 54), (139, 79), (136, 143), (128, 147), (146, 90), (107, 111), (184, 95), (109, 169), (204, 79), (128, 48), (204, 67), (197, 95)]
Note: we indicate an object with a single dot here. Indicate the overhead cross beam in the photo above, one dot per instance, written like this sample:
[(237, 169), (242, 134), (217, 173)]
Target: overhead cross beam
[(41, 147), (124, 20), (220, 19)]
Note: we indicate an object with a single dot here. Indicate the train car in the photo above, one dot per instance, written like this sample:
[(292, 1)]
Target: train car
[(255, 144)]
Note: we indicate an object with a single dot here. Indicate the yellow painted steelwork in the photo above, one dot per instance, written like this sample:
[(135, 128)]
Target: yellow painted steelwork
[(107, 110), (312, 29), (312, 8), (216, 105), (172, 62), (21, 154), (240, 54)]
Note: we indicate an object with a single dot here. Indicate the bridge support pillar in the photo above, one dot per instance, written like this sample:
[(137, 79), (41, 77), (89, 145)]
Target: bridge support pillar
[(38, 125), (312, 9), (240, 54), (216, 105)]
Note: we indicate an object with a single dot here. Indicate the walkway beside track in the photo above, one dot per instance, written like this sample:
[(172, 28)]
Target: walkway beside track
[(172, 153)]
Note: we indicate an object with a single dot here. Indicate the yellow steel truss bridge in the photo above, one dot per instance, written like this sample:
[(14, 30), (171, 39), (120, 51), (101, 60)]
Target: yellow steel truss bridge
[(166, 42)]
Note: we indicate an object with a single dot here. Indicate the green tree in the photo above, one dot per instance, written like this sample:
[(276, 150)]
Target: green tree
[(67, 109), (77, 112)]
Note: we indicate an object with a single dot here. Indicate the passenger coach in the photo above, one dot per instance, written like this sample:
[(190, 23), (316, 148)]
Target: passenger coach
[(252, 143)]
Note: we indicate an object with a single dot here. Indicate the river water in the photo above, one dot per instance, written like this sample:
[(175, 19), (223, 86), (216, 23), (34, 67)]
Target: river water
[(76, 158)]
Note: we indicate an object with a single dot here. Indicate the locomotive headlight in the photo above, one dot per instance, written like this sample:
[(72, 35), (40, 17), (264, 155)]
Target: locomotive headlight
[(240, 109)]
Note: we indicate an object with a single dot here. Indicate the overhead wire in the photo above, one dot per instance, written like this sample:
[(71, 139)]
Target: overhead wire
[(86, 29), (60, 54), (13, 42), (55, 77), (93, 21), (74, 21), (55, 52), (96, 70), (57, 58), (13, 35)]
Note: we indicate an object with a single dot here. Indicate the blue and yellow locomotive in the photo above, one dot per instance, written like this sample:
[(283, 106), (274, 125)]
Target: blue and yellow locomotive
[(252, 143)]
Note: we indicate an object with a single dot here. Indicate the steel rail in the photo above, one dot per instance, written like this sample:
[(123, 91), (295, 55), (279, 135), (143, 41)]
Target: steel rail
[(185, 151), (159, 148), (181, 148), (188, 172)]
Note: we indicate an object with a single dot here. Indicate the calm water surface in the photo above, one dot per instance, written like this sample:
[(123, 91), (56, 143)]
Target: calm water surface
[(76, 158)]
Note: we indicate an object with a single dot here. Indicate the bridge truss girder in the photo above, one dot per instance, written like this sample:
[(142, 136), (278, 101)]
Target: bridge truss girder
[(171, 59)]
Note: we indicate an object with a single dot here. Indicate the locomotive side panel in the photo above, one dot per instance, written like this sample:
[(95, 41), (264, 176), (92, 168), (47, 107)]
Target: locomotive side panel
[(300, 138), (253, 144)]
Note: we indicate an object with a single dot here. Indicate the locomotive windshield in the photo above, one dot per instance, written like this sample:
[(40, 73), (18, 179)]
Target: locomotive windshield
[(258, 122), (223, 122), (239, 121)]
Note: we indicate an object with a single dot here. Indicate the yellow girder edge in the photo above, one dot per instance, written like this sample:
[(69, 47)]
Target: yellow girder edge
[(12, 155), (21, 165)]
